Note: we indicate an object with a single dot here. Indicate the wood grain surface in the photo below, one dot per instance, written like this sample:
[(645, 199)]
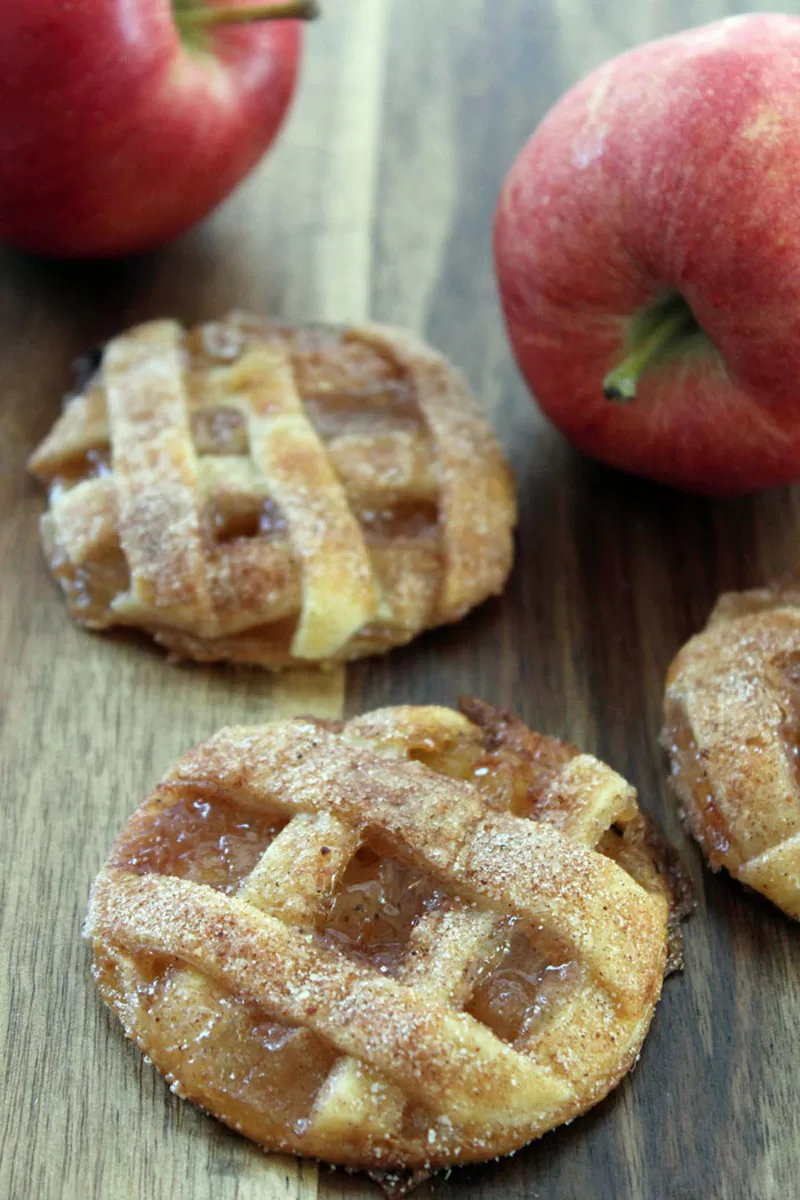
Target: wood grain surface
[(378, 202)]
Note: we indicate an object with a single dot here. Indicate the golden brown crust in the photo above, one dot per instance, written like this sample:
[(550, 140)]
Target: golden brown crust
[(314, 929), (253, 492), (733, 736)]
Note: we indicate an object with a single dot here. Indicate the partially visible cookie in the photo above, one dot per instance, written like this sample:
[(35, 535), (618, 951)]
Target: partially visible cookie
[(266, 494), (732, 732), (405, 941)]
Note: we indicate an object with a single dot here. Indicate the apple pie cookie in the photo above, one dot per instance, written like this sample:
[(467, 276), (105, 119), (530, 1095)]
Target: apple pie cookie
[(732, 732), (408, 940), (266, 494)]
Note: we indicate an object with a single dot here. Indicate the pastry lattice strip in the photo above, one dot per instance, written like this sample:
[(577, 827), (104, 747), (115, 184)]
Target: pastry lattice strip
[(336, 791), (147, 400)]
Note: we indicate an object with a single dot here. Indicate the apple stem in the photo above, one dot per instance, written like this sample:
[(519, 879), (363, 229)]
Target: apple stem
[(620, 384), (205, 18)]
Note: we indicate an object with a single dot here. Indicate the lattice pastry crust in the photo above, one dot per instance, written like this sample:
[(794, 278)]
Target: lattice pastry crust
[(732, 731), (413, 939), (265, 494)]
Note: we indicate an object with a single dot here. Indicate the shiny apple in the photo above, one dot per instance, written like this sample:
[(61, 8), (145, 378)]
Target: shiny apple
[(123, 122), (647, 244)]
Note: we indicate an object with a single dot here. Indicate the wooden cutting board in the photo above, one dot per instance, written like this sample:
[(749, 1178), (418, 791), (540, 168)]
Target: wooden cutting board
[(378, 202)]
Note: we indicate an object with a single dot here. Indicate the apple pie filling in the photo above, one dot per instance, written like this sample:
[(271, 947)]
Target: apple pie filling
[(91, 588), (518, 991), (201, 838), (691, 781)]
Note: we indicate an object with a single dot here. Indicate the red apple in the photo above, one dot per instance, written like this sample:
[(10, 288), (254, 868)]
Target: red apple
[(647, 244), (123, 122)]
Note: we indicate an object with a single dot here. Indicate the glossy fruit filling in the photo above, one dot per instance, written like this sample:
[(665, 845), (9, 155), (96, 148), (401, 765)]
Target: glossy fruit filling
[(90, 589), (790, 729), (691, 781), (205, 840), (230, 517), (410, 519), (517, 992), (93, 464), (376, 906)]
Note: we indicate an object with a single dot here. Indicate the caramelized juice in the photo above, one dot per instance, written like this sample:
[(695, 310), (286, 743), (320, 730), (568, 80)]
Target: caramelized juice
[(375, 908), (412, 519), (94, 464), (517, 992), (90, 589), (230, 517), (207, 840), (688, 768), (790, 730), (370, 409)]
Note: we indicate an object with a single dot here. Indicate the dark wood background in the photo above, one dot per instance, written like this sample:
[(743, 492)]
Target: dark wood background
[(378, 201)]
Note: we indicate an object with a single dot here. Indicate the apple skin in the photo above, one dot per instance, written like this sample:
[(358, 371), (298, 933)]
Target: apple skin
[(674, 166), (114, 136)]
